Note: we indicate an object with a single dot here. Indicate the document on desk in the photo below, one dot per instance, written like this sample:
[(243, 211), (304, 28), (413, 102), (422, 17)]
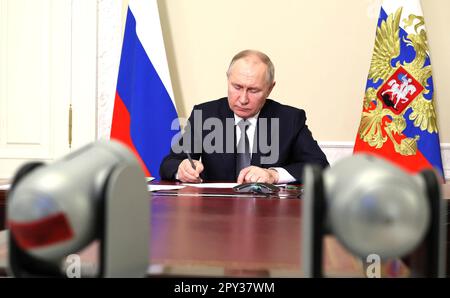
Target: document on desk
[(219, 185), (164, 187), (5, 187), (211, 185)]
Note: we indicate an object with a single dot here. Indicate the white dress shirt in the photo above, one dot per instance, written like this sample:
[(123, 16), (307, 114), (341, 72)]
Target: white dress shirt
[(284, 176)]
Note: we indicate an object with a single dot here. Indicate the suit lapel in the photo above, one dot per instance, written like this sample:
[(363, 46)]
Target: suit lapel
[(264, 114), (228, 159)]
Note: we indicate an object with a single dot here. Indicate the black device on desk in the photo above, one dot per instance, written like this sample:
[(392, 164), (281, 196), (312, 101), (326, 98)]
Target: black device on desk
[(256, 187)]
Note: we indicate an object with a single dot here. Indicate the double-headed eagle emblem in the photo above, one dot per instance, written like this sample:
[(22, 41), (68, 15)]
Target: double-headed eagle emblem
[(404, 86)]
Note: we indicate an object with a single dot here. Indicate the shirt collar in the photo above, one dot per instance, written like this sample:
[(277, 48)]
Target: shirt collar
[(252, 120)]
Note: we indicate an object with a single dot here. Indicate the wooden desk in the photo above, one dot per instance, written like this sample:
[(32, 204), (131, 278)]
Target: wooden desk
[(235, 236), (215, 235)]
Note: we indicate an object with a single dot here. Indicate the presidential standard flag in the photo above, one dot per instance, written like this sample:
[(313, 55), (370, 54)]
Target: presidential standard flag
[(144, 107), (399, 118)]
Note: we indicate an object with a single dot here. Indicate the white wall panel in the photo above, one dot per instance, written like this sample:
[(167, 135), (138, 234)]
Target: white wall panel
[(25, 99), (48, 61)]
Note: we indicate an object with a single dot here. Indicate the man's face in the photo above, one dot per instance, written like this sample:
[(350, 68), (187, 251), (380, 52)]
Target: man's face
[(248, 87)]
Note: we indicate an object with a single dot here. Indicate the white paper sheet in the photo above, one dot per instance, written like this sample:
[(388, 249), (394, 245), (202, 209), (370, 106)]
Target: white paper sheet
[(211, 185), (5, 187), (164, 187), (219, 185)]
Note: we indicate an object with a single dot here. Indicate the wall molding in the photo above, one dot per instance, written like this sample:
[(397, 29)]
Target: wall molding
[(338, 150)]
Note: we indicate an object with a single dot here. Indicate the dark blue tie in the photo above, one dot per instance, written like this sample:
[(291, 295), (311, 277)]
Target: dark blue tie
[(243, 159)]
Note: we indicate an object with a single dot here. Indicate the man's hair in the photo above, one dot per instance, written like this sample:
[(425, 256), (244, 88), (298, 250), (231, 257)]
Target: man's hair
[(264, 59)]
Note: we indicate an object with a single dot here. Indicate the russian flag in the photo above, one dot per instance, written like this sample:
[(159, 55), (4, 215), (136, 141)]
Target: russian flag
[(144, 108), (399, 120)]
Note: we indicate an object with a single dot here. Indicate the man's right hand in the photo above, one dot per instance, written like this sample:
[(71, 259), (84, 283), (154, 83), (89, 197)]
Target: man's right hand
[(187, 174)]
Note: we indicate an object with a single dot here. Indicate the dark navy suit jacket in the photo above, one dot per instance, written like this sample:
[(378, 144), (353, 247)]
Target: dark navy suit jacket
[(297, 146)]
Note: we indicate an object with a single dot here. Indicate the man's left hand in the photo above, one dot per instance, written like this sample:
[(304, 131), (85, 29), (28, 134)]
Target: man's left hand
[(257, 174)]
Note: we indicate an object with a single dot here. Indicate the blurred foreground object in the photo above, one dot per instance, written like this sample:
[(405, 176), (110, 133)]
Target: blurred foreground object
[(373, 208), (96, 193)]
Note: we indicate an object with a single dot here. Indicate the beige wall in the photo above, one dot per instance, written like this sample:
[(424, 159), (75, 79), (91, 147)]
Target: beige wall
[(321, 50)]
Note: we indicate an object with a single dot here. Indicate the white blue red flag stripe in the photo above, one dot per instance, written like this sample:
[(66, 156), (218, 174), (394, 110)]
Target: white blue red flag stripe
[(399, 120), (144, 108)]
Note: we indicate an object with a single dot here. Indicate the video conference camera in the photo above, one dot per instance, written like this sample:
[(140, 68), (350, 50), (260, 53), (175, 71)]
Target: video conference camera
[(373, 207), (97, 193)]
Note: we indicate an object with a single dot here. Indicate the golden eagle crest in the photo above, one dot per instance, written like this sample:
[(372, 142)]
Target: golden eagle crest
[(403, 86)]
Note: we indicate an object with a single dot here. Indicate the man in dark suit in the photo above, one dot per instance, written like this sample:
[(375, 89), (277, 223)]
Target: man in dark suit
[(244, 137)]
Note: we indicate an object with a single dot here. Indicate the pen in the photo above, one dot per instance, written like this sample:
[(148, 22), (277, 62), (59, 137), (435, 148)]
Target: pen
[(190, 160)]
